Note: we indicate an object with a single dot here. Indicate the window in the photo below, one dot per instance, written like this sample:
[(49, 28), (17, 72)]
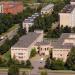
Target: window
[(38, 47), (41, 48), (20, 57), (60, 54), (67, 55), (20, 53), (45, 49)]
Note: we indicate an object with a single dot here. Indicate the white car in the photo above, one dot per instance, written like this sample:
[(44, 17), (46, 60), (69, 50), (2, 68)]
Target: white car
[(41, 60)]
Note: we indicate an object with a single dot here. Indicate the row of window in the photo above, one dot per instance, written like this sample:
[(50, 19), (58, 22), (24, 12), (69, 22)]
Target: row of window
[(43, 49), (18, 49), (20, 53), (60, 50), (60, 54), (21, 57)]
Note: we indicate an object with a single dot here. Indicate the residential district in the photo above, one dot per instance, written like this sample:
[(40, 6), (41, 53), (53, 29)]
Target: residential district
[(37, 37)]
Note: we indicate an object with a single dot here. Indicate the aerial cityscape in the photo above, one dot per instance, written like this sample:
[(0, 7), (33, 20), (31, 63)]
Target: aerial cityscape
[(37, 37)]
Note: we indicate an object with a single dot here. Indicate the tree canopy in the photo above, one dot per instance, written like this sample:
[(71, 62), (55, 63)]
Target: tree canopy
[(70, 63)]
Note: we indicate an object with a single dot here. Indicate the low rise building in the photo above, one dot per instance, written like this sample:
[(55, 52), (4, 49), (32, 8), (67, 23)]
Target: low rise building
[(60, 48), (47, 9), (29, 22), (43, 48), (21, 50), (63, 45)]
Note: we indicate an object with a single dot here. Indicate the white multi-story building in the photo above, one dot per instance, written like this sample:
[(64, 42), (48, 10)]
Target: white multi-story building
[(21, 50), (47, 9), (29, 22), (67, 16)]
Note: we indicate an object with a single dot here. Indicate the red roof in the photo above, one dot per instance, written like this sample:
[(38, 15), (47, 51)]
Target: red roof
[(12, 7)]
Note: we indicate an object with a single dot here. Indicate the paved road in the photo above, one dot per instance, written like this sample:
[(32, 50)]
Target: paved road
[(2, 41), (9, 34), (59, 74), (3, 73), (36, 63)]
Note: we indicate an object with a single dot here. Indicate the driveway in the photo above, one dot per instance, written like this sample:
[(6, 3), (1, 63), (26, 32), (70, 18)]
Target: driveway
[(36, 63)]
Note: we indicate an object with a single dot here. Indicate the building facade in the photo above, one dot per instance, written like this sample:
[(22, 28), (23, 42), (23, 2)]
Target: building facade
[(63, 45), (29, 22), (59, 48), (67, 16), (43, 48)]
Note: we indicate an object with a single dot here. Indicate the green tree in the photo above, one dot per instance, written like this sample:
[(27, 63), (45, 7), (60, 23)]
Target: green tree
[(43, 73), (57, 64), (70, 63), (13, 70), (48, 63), (66, 29), (5, 47), (28, 64), (73, 29), (33, 52), (67, 1), (21, 31)]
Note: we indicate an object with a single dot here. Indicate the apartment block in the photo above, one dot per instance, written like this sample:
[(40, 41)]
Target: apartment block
[(67, 16)]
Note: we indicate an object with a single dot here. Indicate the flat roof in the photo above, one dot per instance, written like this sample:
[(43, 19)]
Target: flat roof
[(28, 21), (26, 40), (59, 43), (68, 8), (42, 43), (47, 7)]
